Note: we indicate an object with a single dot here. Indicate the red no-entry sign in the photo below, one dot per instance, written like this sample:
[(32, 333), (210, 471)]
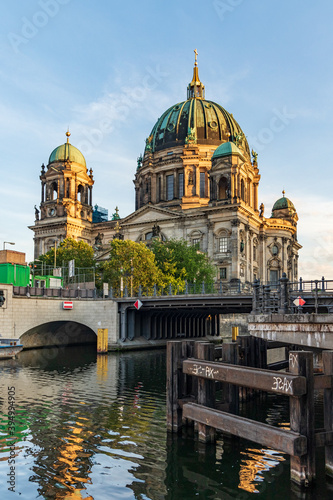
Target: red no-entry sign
[(67, 304)]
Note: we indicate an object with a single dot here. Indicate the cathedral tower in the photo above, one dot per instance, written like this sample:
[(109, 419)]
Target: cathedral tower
[(66, 199)]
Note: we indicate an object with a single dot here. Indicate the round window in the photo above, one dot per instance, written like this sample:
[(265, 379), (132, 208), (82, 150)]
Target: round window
[(213, 124)]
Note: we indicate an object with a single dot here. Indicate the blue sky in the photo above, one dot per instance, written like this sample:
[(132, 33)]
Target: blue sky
[(108, 70)]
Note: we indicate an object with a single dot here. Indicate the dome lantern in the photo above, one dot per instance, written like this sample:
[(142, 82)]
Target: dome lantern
[(195, 89)]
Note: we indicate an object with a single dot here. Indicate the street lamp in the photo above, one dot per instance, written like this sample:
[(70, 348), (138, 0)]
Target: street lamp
[(9, 243), (55, 253)]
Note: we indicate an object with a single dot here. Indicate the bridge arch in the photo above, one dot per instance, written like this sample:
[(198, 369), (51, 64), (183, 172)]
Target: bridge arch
[(58, 333)]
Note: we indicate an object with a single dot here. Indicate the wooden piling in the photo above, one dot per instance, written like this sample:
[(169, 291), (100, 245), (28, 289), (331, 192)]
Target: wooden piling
[(303, 468), (328, 411), (174, 382), (231, 392), (206, 392)]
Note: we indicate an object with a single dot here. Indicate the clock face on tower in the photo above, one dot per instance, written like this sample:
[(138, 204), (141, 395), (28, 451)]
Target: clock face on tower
[(52, 212)]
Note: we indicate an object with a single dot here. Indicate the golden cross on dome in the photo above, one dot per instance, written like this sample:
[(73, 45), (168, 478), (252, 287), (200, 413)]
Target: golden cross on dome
[(196, 57), (283, 192), (68, 135)]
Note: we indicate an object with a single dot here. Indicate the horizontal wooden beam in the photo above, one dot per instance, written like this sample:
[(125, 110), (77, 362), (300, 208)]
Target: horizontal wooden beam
[(280, 439), (323, 382), (264, 380), (279, 365)]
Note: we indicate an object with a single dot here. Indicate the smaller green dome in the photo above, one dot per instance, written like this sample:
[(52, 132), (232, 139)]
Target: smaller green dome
[(226, 149), (67, 152), (286, 205), (283, 203)]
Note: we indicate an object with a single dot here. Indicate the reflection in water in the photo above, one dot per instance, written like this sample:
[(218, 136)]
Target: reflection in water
[(253, 464), (94, 427)]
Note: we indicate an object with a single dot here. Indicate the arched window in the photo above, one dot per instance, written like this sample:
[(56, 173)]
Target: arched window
[(242, 190), (223, 187), (80, 193), (54, 191)]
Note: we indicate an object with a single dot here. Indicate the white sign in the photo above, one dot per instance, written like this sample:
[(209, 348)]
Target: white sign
[(67, 304), (57, 272), (71, 268), (105, 289)]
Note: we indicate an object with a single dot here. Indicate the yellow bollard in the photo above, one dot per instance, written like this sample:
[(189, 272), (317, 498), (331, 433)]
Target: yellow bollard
[(234, 333), (102, 340)]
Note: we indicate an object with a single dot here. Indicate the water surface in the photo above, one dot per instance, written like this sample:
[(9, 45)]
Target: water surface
[(94, 427)]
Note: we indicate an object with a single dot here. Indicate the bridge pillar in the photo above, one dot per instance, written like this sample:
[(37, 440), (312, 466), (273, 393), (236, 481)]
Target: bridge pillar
[(123, 322), (130, 324)]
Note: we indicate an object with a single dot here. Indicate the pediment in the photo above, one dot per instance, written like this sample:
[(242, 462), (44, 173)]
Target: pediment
[(150, 214)]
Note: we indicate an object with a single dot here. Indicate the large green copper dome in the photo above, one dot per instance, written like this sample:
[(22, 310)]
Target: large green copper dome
[(207, 120), (67, 152), (195, 121)]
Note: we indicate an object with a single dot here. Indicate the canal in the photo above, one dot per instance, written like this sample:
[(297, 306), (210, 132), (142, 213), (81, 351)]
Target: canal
[(75, 425)]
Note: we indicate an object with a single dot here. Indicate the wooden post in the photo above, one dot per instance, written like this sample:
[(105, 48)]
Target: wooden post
[(231, 392), (244, 342), (328, 411), (303, 468), (206, 391), (188, 383), (174, 391)]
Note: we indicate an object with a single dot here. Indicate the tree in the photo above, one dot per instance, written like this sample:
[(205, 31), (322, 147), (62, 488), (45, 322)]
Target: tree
[(131, 262), (69, 249), (179, 261)]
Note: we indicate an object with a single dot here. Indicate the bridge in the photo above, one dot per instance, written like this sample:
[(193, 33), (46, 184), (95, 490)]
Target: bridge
[(40, 320), (37, 315)]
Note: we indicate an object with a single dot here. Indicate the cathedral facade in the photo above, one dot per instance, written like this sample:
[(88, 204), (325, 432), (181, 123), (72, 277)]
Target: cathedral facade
[(196, 180)]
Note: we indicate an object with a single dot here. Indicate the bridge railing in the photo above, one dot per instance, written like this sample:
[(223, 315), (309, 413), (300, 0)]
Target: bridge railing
[(217, 288), (286, 297), (66, 293)]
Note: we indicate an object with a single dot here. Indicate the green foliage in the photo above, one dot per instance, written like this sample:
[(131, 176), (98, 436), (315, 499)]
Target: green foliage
[(179, 261), (70, 249), (134, 263)]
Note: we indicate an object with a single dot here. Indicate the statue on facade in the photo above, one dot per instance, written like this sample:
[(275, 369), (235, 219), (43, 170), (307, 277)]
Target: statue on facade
[(262, 209), (191, 136), (239, 138), (190, 178), (36, 213), (139, 160), (148, 143), (254, 156), (116, 216), (99, 239), (156, 230)]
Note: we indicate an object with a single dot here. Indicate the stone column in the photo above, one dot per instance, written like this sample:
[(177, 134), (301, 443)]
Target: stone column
[(197, 181), (256, 197), (162, 193), (153, 188), (234, 243)]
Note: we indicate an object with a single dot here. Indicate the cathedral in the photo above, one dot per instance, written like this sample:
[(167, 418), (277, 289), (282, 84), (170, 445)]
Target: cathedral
[(196, 180)]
